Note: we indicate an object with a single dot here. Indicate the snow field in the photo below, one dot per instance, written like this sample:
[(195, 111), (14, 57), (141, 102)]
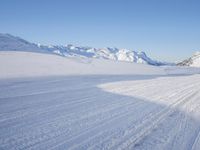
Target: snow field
[(100, 112)]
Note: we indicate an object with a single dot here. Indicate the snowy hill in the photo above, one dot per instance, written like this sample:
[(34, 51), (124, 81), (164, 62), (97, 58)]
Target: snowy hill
[(29, 64), (193, 61), (13, 43), (9, 42)]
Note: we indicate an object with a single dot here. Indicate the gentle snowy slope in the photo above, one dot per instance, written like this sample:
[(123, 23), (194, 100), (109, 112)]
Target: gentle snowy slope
[(27, 64), (193, 61)]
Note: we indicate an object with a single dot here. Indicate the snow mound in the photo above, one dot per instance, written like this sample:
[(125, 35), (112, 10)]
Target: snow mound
[(16, 64), (28, 64)]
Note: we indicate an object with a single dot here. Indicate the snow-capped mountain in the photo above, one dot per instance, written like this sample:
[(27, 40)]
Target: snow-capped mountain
[(9, 42), (102, 53), (193, 61)]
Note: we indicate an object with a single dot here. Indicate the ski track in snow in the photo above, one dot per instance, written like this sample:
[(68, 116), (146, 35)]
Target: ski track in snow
[(100, 112)]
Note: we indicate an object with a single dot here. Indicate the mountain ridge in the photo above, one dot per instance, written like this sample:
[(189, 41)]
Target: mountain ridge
[(193, 61), (9, 42)]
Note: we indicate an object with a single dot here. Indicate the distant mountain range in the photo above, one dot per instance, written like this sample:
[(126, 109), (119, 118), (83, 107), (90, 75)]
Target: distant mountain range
[(12, 43)]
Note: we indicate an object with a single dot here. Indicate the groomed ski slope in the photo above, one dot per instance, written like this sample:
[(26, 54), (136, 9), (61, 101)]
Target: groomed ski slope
[(104, 111)]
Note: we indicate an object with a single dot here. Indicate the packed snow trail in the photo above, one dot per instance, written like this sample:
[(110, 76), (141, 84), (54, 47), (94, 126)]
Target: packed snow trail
[(100, 112)]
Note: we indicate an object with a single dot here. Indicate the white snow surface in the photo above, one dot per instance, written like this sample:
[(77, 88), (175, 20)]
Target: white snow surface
[(51, 102), (28, 64), (14, 64)]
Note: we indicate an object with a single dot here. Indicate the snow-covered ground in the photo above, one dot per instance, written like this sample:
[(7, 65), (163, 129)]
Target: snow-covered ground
[(27, 64), (51, 102)]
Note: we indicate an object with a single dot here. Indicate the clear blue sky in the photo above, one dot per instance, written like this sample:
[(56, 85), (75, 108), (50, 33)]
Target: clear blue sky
[(165, 29)]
